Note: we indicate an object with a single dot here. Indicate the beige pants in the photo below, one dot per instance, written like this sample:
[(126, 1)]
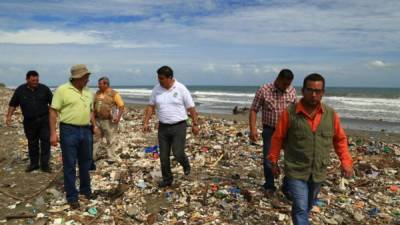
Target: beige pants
[(108, 132)]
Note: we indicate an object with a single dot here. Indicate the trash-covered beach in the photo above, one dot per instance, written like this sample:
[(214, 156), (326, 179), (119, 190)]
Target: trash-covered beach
[(223, 188)]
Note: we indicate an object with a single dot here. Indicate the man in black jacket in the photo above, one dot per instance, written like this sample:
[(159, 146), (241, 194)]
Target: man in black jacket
[(34, 99)]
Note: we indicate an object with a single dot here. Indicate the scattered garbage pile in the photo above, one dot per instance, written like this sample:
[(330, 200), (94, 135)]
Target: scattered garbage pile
[(224, 186)]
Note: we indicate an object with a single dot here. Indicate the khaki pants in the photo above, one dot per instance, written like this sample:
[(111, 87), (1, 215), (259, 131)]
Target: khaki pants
[(108, 131)]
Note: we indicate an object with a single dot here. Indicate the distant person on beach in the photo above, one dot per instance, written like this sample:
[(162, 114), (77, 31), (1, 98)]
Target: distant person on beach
[(272, 98), (172, 102), (34, 99), (239, 110), (108, 109), (307, 131), (73, 103)]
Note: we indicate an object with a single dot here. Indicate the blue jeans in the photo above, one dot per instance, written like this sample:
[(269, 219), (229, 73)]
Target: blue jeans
[(304, 195), (76, 142), (269, 177)]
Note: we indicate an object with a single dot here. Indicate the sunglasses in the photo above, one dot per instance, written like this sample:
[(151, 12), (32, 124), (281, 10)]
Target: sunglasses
[(316, 91)]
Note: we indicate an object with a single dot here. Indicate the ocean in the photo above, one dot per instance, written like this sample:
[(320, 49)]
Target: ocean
[(359, 108)]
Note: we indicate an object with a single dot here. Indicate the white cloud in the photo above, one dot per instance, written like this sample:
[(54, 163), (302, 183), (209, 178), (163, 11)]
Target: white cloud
[(119, 44), (96, 68), (271, 69), (48, 37), (336, 26), (14, 69), (134, 71), (256, 38), (237, 69), (377, 64), (209, 68)]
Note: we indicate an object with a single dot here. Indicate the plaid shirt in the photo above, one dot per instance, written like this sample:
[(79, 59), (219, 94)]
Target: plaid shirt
[(273, 102)]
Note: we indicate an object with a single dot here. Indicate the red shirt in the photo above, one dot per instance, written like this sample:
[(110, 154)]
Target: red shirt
[(273, 102), (339, 138)]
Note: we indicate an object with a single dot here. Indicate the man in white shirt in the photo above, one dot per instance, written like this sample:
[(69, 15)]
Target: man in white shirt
[(171, 101)]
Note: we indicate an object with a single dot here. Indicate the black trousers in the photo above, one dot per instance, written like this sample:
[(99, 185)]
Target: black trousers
[(172, 137), (37, 131)]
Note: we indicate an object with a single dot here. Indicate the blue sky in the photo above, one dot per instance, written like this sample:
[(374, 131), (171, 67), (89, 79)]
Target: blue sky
[(351, 43)]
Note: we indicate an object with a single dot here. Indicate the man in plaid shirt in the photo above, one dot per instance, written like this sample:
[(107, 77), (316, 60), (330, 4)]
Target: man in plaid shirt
[(273, 98)]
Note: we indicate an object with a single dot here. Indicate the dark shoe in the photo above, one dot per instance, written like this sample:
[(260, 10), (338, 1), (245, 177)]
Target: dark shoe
[(74, 205), (31, 168), (286, 193), (268, 187), (92, 167), (90, 196), (277, 204), (186, 170), (268, 192), (46, 169), (164, 184)]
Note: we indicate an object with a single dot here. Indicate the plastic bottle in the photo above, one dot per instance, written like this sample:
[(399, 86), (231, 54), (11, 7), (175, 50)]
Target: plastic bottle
[(115, 114)]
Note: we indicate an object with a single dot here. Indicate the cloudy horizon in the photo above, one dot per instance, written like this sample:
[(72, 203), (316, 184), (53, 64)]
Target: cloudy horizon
[(351, 43)]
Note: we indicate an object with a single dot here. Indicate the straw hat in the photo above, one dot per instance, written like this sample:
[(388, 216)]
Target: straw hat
[(79, 71)]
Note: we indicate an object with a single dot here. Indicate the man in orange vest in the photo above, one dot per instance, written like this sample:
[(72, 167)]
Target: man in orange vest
[(108, 108), (307, 132)]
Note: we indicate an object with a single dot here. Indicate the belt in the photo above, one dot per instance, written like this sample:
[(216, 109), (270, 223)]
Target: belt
[(103, 118), (77, 126), (171, 124), (265, 126)]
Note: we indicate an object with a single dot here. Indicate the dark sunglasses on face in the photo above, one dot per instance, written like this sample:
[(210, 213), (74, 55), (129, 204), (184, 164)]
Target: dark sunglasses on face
[(316, 91)]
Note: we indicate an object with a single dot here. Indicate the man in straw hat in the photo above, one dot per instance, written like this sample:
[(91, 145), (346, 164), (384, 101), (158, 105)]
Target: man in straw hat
[(73, 103)]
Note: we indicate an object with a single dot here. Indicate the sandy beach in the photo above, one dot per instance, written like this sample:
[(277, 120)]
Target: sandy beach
[(223, 188)]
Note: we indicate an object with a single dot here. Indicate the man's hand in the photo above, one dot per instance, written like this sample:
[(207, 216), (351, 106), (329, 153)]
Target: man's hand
[(195, 129), (348, 172), (275, 170), (253, 135), (146, 128), (8, 120), (9, 114), (147, 115), (53, 139), (252, 125), (96, 130)]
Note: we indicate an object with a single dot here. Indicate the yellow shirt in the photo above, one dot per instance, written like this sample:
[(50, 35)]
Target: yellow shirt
[(73, 106)]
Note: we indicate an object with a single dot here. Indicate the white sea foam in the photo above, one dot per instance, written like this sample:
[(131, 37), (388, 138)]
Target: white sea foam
[(219, 100), (386, 109), (226, 94), (362, 101), (136, 91)]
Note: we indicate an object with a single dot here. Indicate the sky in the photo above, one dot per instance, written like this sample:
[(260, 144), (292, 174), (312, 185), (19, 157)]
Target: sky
[(206, 42)]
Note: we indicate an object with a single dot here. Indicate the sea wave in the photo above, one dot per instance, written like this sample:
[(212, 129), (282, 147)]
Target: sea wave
[(220, 100), (138, 91), (226, 94), (352, 107), (363, 101)]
